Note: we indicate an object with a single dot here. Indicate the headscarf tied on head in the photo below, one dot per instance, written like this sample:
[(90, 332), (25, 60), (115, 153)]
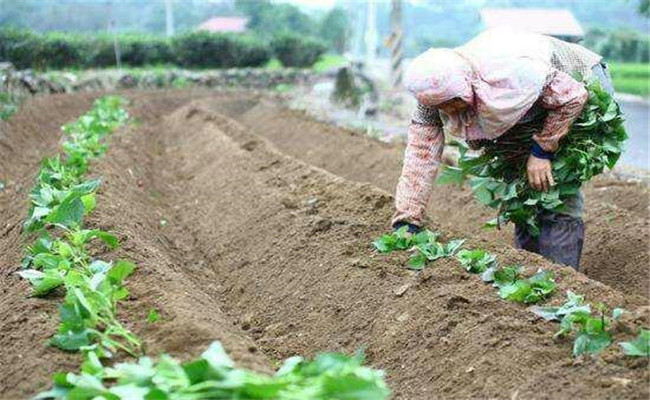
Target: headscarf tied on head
[(439, 75), (500, 74)]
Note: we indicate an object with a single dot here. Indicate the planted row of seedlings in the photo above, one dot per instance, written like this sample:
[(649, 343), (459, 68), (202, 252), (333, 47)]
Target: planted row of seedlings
[(60, 258), (590, 325)]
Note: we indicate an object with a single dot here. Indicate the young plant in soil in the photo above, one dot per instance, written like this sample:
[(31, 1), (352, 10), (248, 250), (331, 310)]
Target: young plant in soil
[(214, 376), (498, 175), (65, 207), (424, 245), (521, 290), (591, 332), (476, 261), (398, 240), (639, 347)]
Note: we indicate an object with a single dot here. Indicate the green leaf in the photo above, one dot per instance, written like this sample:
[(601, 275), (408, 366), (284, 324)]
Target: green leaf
[(130, 392), (384, 244), (617, 313), (639, 347), (290, 365), (86, 187), (591, 343), (506, 275), (476, 261), (69, 213), (450, 175), (110, 240), (43, 282), (89, 201), (170, 375), (216, 356), (417, 261), (120, 271), (354, 387), (453, 246), (548, 313), (91, 364), (214, 376), (153, 316), (516, 291), (71, 340)]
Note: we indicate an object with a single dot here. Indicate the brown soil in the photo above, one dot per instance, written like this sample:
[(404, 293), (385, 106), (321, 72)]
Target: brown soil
[(271, 255), (618, 234)]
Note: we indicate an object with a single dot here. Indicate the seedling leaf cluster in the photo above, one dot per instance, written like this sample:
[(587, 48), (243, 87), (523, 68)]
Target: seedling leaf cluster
[(214, 376), (423, 245)]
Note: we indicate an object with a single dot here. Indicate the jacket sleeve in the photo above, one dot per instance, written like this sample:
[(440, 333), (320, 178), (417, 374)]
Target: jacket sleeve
[(422, 157), (564, 97)]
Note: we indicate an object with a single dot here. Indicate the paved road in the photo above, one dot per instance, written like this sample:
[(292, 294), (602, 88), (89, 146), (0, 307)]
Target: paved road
[(637, 151)]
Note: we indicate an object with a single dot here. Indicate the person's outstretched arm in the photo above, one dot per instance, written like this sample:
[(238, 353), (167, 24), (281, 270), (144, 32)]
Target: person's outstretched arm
[(422, 157)]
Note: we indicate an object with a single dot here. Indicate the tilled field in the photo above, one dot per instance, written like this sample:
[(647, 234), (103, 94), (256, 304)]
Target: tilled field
[(251, 224)]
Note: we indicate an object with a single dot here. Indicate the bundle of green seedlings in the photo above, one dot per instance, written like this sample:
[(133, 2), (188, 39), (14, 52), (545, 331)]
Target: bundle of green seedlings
[(214, 376), (498, 175), (60, 257), (591, 333)]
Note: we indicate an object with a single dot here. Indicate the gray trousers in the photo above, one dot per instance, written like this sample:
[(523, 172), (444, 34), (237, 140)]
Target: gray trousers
[(562, 234)]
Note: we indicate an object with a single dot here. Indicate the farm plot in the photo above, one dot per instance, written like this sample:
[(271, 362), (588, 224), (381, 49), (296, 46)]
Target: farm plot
[(237, 242)]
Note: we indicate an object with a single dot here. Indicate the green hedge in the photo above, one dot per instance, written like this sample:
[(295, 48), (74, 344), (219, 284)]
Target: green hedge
[(54, 50), (296, 51), (203, 49)]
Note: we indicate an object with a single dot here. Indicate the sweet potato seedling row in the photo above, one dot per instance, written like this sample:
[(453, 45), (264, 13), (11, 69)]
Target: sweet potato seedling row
[(591, 331)]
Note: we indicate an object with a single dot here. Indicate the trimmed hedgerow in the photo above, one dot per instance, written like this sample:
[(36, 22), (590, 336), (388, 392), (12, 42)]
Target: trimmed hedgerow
[(295, 51), (57, 50)]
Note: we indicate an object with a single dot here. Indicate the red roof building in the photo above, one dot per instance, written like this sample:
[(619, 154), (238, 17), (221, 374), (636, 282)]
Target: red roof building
[(224, 25)]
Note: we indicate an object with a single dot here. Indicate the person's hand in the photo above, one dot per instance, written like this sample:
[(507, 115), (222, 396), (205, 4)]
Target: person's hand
[(540, 173)]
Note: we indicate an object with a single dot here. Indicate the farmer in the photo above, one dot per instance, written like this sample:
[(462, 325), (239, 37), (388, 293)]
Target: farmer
[(498, 81)]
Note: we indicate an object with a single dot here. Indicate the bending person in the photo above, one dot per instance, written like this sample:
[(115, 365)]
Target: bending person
[(479, 92)]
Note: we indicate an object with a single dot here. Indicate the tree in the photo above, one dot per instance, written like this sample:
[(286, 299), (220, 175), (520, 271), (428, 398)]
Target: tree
[(272, 19), (334, 29), (644, 8)]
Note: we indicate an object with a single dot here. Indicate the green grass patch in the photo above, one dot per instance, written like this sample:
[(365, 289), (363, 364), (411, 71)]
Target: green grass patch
[(633, 78), (328, 61), (8, 105)]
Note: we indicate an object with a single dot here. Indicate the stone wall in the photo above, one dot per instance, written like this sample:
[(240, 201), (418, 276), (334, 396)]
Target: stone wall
[(23, 83)]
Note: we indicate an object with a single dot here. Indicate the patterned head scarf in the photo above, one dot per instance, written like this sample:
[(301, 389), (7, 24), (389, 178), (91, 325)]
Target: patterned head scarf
[(500, 74), (439, 75)]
